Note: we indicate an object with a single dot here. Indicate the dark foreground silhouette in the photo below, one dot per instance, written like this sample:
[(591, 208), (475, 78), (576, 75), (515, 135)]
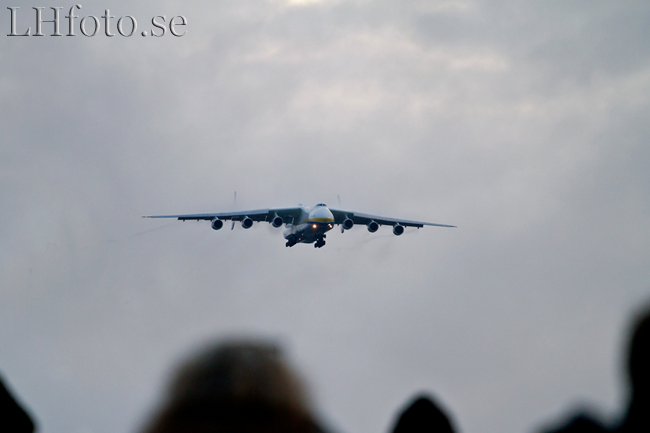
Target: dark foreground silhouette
[(247, 386), (637, 416), (423, 416), (13, 418), (240, 386)]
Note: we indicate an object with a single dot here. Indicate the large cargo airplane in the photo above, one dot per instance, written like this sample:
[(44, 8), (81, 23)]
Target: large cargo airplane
[(304, 224)]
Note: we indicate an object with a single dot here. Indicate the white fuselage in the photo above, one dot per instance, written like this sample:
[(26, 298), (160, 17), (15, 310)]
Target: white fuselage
[(312, 225)]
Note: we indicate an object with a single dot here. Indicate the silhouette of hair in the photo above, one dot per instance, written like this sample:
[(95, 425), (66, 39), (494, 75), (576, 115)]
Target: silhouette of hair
[(237, 386), (423, 415), (639, 355), (582, 423), (12, 417), (637, 418)]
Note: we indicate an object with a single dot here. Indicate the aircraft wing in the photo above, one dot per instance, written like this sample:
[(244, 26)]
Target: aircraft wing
[(288, 214), (362, 218)]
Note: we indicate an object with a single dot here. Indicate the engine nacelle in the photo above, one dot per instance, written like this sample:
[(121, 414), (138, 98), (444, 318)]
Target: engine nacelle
[(348, 224), (247, 223), (217, 224), (277, 222), (398, 229), (373, 226)]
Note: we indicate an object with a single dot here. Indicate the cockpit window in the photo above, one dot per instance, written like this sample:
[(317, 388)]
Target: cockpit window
[(321, 204)]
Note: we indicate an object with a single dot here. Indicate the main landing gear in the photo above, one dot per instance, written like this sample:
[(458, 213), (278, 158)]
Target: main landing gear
[(293, 240), (320, 242)]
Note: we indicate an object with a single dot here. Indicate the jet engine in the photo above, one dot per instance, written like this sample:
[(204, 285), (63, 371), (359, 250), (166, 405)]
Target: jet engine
[(247, 223), (217, 224), (373, 226), (277, 222), (348, 224), (398, 229)]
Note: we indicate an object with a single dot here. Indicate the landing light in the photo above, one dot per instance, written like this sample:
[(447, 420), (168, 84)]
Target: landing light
[(314, 226), (330, 225)]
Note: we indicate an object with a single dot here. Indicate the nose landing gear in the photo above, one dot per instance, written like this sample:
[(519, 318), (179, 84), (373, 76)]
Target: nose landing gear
[(320, 242), (291, 241)]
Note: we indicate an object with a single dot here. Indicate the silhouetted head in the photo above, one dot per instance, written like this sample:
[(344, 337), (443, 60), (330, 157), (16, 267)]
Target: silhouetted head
[(581, 423), (12, 417), (637, 418), (639, 357), (238, 386), (421, 416)]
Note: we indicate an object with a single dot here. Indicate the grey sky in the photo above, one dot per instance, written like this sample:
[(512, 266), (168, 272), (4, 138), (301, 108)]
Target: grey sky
[(524, 124)]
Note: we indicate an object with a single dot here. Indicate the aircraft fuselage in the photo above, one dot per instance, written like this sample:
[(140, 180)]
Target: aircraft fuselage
[(311, 226)]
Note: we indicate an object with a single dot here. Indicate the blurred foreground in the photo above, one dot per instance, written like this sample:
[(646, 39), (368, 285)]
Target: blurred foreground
[(247, 386)]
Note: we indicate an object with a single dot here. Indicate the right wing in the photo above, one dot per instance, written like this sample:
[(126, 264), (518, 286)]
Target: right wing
[(288, 215)]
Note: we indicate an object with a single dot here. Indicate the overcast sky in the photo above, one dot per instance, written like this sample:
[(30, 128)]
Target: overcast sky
[(524, 124)]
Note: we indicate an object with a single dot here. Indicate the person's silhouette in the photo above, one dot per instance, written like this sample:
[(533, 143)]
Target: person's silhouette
[(236, 387), (421, 416), (13, 419), (582, 423), (637, 418)]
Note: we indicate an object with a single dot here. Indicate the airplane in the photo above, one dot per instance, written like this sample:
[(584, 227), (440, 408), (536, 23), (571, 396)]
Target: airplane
[(304, 224)]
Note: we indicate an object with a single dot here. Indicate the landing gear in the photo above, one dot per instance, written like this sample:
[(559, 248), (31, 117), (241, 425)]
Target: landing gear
[(320, 242), (291, 241)]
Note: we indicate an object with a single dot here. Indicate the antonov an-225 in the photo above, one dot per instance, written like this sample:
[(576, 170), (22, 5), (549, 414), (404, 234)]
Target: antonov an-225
[(304, 224)]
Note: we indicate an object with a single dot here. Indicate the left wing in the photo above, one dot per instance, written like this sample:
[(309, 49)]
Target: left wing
[(362, 218), (288, 215)]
